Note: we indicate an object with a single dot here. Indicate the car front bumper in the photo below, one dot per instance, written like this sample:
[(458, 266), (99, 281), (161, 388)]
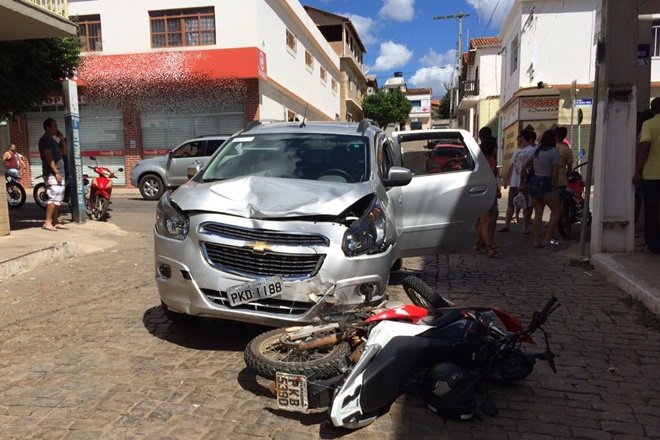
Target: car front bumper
[(190, 282)]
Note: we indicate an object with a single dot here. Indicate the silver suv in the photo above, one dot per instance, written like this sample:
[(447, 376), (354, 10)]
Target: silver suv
[(152, 176), (289, 219)]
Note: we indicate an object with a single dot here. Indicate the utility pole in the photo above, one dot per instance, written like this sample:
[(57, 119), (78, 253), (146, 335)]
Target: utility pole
[(460, 17)]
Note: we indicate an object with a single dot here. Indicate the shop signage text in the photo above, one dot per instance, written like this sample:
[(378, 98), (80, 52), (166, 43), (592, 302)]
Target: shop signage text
[(536, 108)]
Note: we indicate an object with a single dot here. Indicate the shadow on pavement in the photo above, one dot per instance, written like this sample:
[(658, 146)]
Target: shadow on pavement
[(201, 333)]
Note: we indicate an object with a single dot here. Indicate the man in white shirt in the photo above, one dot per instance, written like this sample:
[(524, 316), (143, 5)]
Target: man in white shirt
[(512, 180)]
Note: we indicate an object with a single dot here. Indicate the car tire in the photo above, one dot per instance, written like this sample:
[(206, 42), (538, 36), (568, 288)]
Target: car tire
[(151, 187), (328, 362)]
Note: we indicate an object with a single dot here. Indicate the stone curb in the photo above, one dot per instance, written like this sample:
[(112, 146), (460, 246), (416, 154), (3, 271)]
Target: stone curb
[(618, 275), (32, 260)]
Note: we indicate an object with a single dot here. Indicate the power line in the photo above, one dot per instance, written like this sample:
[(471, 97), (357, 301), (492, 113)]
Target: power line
[(491, 17)]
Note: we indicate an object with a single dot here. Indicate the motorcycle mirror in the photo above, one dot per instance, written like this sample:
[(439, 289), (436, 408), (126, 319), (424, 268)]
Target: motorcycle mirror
[(120, 169), (92, 157)]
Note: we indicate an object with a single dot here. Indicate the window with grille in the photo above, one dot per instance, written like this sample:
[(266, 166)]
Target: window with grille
[(324, 75), (309, 60), (291, 42), (89, 33), (182, 27)]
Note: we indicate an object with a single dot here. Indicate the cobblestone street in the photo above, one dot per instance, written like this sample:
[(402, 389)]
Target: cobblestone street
[(86, 353)]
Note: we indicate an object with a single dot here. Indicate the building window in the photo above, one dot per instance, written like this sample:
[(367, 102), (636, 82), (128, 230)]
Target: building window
[(309, 60), (182, 27), (291, 42), (656, 38), (324, 75), (89, 33), (514, 55), (333, 84)]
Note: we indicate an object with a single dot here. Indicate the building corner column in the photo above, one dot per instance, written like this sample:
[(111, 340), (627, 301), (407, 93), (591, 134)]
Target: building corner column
[(612, 229)]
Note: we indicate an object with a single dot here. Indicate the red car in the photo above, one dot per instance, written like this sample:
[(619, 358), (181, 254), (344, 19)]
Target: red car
[(446, 157)]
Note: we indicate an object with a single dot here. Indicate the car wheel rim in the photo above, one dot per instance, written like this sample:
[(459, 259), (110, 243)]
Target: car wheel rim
[(151, 187)]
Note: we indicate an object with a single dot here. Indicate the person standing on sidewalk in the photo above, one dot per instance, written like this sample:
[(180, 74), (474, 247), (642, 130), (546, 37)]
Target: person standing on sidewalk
[(52, 165), (565, 161), (647, 171), (520, 156)]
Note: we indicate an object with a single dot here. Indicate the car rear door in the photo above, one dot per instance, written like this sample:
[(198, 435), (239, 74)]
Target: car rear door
[(439, 209)]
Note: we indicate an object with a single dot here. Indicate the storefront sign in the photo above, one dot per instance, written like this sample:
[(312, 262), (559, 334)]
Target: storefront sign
[(509, 115), (539, 107)]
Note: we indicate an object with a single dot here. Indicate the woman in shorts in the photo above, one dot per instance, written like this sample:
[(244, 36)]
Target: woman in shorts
[(541, 186)]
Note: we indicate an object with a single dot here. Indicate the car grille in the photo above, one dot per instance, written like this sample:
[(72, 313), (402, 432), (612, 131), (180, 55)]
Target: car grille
[(269, 237), (247, 262), (268, 305)]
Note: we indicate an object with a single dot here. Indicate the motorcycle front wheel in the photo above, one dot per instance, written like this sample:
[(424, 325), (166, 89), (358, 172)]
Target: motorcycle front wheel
[(423, 295), (99, 209), (267, 355), (40, 195), (15, 195)]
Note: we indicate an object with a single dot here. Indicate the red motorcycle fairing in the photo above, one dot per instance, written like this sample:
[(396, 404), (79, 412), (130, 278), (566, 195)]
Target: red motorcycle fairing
[(406, 312), (511, 323)]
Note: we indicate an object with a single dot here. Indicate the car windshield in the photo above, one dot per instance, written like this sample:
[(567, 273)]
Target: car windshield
[(331, 157)]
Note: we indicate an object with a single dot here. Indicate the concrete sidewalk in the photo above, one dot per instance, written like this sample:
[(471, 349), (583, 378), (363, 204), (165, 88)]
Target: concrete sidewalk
[(28, 247)]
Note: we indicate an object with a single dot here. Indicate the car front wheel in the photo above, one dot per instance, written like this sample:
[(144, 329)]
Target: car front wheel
[(151, 187)]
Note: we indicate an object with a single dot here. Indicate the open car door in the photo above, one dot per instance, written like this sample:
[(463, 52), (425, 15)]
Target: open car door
[(440, 205)]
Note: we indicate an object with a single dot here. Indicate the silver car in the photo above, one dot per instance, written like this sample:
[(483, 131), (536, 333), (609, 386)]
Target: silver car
[(289, 220), (154, 175)]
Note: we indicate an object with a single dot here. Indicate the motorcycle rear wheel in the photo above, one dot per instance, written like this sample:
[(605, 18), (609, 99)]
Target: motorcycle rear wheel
[(40, 195), (266, 356), (99, 208), (15, 195), (564, 226), (422, 295)]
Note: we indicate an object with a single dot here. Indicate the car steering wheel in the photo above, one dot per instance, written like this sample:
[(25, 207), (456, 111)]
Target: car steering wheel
[(337, 172)]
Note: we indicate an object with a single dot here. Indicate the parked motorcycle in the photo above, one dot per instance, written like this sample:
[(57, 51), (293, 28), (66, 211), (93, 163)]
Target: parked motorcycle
[(99, 191), (572, 202), (448, 354), (41, 195), (15, 191), (326, 350)]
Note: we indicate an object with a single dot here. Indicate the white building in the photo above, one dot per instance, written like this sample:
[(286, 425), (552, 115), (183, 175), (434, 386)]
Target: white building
[(479, 86), (158, 72), (547, 46), (420, 113)]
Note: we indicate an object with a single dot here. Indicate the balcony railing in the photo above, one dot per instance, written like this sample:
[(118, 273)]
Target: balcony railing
[(469, 88), (60, 7)]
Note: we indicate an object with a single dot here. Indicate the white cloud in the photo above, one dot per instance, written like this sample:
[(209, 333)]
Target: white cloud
[(364, 26), (397, 10), (392, 55), (486, 9), (432, 58), (434, 78)]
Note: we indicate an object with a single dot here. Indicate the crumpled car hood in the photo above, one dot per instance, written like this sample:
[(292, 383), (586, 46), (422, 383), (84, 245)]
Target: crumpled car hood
[(264, 197)]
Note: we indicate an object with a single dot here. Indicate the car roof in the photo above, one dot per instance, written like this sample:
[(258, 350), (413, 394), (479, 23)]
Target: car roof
[(312, 127)]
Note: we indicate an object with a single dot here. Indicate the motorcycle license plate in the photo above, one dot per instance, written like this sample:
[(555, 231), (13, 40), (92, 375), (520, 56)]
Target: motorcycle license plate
[(291, 390), (253, 290)]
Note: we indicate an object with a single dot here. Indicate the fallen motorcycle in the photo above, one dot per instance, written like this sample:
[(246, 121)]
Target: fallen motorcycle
[(322, 351), (15, 191), (448, 353)]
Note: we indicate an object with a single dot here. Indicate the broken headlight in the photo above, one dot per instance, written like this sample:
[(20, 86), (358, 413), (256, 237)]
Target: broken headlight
[(366, 235)]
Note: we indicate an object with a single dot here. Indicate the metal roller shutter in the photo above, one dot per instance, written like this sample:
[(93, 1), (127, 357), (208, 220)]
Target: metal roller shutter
[(101, 135), (161, 133)]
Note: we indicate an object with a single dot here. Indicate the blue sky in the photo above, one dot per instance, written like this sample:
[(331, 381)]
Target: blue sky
[(402, 36)]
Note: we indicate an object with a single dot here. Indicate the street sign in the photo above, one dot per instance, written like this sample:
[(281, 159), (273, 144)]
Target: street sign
[(583, 102)]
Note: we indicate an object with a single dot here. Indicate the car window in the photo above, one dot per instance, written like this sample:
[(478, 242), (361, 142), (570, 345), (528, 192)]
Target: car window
[(330, 157), (212, 145), (384, 158), (436, 155), (189, 149)]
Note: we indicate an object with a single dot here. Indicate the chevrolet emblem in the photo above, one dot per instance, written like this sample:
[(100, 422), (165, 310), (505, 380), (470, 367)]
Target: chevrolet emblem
[(258, 246)]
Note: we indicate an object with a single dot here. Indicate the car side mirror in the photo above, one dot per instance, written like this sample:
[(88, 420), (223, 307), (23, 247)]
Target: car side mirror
[(192, 170), (398, 176)]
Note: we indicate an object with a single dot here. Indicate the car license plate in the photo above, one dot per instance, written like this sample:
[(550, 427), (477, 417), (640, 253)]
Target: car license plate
[(253, 290), (291, 392)]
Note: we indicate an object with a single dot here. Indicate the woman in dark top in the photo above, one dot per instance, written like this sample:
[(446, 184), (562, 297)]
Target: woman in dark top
[(485, 225), (542, 187)]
